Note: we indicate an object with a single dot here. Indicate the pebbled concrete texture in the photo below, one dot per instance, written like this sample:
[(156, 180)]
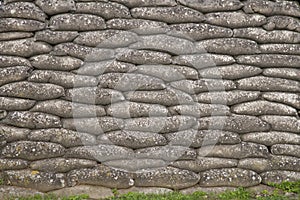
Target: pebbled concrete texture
[(149, 96)]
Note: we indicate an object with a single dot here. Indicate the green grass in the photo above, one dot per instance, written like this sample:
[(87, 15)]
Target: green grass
[(238, 194)]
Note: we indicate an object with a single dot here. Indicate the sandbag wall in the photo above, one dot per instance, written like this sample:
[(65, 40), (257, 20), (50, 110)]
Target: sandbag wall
[(205, 94)]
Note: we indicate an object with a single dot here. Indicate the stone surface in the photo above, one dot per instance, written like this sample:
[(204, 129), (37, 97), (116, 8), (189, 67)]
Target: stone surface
[(228, 97), (36, 91), (41, 181), (130, 82), (229, 177), (262, 107), (213, 6), (132, 139), (262, 36), (93, 125), (203, 85), (11, 61), (65, 137), (24, 47), (14, 74), (94, 192), (273, 8), (287, 73), (131, 109), (160, 124), (286, 149), (283, 97), (196, 139), (270, 60), (271, 138), (235, 19), (64, 79), (25, 10), (52, 7), (15, 24), (55, 37), (100, 176), (205, 163), (282, 22), (234, 71), (234, 123), (32, 120), (94, 95), (283, 123), (11, 104), (32, 150), (238, 151), (168, 177), (61, 164), (10, 133), (176, 14), (12, 164), (200, 31), (76, 22), (107, 10), (231, 46), (267, 84), (278, 176), (68, 109), (60, 63), (199, 110)]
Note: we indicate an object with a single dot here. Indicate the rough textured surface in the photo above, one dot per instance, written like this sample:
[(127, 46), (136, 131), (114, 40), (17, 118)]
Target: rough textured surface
[(148, 95)]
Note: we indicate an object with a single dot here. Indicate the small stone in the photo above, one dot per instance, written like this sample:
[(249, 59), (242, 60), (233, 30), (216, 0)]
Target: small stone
[(76, 22), (36, 91), (238, 151), (11, 104), (262, 107), (268, 84), (55, 37), (60, 63), (228, 97), (65, 137), (52, 7), (262, 36), (35, 179), (167, 177), (283, 123), (32, 150), (14, 74), (231, 72), (27, 119), (287, 73), (24, 47), (61, 164), (234, 123), (213, 5), (235, 19), (271, 138), (15, 24), (229, 177), (176, 14), (107, 10), (100, 176)]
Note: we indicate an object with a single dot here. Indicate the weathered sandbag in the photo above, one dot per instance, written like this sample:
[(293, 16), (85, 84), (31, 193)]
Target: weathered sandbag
[(76, 22), (286, 149), (36, 91), (137, 3), (15, 24), (10, 104), (135, 164), (287, 73), (271, 138), (283, 97), (283, 123), (14, 74), (55, 37), (11, 61), (280, 48), (107, 10), (15, 35), (12, 164), (25, 10), (262, 36), (235, 19), (52, 7), (168, 177), (11, 133), (176, 14), (278, 176), (213, 5), (282, 22), (24, 47)]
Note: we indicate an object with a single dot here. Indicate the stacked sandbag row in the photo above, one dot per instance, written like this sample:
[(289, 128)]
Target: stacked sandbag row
[(162, 93)]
